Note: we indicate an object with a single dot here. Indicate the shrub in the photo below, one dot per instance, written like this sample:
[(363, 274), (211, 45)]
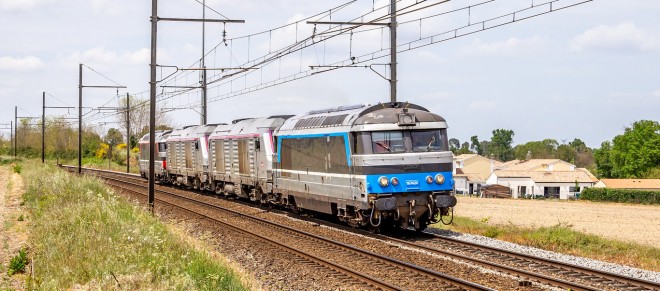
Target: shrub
[(18, 263), (621, 195)]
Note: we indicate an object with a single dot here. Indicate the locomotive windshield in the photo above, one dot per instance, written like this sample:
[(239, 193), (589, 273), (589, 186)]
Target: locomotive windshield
[(428, 141), (388, 142)]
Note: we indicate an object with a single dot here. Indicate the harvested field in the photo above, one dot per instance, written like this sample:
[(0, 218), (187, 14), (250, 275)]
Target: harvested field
[(624, 222)]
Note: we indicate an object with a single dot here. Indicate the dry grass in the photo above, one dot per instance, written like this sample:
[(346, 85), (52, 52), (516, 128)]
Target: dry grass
[(562, 238)]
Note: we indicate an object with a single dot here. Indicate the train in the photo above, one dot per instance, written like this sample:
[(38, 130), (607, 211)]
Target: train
[(383, 166)]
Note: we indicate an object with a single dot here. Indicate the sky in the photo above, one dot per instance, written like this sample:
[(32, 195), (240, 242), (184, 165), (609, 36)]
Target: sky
[(585, 72)]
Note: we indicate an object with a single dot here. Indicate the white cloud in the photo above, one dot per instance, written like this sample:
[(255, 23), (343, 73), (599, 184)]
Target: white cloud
[(141, 56), (107, 7), (103, 56), (430, 57), (510, 48), (482, 105), (656, 93), (625, 36), (20, 5), (28, 63)]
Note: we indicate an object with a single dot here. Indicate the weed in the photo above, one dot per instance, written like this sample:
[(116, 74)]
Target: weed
[(17, 169), (21, 218), (18, 263), (492, 232)]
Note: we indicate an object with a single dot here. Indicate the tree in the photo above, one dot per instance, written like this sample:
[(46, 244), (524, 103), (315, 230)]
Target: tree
[(454, 144), (113, 138), (545, 149), (465, 149), (476, 145), (139, 117), (636, 152), (500, 144), (602, 157)]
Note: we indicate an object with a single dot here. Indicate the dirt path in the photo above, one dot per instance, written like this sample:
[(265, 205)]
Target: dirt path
[(625, 222), (13, 230)]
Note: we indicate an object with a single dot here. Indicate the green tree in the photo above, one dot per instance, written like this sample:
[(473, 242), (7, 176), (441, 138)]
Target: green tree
[(636, 152), (465, 149), (545, 149), (500, 144), (602, 158), (476, 145)]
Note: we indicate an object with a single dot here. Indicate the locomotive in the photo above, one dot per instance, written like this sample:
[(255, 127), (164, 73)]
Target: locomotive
[(380, 166)]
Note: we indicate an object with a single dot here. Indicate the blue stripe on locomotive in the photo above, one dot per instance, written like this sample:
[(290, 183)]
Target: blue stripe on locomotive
[(342, 134), (409, 182)]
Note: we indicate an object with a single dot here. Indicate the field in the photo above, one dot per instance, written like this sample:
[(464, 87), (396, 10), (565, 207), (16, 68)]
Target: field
[(624, 222)]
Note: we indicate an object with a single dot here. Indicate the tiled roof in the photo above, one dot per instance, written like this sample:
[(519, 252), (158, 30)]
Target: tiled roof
[(464, 157), (472, 177), (529, 164), (632, 183), (579, 175)]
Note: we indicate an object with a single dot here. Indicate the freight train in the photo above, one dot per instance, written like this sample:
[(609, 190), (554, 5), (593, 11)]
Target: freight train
[(381, 166)]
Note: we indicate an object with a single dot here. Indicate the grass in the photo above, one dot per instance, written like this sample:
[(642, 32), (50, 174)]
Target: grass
[(563, 239), (84, 236), (17, 263)]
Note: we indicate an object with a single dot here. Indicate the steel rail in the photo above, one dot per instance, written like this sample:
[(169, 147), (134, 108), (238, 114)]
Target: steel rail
[(466, 285)]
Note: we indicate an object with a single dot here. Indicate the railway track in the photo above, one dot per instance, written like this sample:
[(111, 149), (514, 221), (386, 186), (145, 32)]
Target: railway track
[(370, 269), (530, 268)]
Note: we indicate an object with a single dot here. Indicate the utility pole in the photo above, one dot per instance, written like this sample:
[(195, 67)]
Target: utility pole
[(152, 85), (152, 106), (11, 135), (80, 87), (43, 129), (202, 64), (15, 129), (393, 51), (128, 133), (80, 118)]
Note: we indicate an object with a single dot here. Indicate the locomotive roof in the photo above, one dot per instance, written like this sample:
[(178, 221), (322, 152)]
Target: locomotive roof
[(248, 126), (158, 134), (191, 132), (339, 118)]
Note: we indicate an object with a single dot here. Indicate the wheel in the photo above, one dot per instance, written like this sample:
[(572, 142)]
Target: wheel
[(197, 184)]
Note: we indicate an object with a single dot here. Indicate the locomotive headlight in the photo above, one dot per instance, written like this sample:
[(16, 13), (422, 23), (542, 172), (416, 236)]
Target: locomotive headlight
[(383, 181), (406, 119), (429, 179), (439, 179), (394, 181)]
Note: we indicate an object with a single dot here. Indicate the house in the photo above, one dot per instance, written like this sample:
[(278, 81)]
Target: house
[(549, 178), (471, 172), (637, 184)]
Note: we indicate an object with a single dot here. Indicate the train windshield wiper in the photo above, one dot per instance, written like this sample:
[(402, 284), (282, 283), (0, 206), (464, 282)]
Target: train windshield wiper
[(384, 145)]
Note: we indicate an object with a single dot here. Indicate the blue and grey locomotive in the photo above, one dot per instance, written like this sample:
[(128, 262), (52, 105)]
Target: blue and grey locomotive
[(380, 166)]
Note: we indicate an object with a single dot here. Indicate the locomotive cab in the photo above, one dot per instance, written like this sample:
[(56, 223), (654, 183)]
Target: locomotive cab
[(404, 158)]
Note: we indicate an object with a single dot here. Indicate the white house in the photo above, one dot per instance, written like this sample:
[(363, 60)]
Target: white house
[(545, 183)]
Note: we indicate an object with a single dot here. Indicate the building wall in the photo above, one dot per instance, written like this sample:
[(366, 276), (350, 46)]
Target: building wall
[(477, 165), (515, 183), (460, 183), (535, 189)]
